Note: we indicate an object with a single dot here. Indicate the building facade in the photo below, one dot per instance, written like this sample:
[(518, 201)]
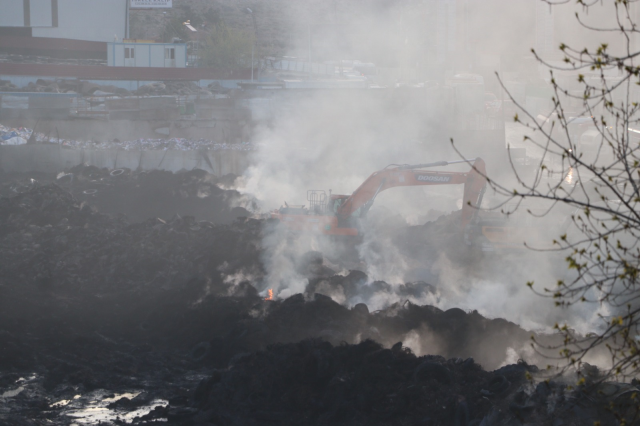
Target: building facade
[(89, 20)]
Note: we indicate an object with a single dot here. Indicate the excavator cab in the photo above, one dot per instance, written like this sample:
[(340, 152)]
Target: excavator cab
[(320, 204), (335, 201)]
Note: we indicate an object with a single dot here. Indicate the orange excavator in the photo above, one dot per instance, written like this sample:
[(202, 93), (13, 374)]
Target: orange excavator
[(339, 214)]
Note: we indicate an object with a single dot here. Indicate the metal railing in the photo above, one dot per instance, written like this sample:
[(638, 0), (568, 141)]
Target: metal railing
[(317, 199)]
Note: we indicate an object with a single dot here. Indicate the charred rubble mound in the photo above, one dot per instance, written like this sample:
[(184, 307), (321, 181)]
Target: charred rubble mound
[(89, 302), (183, 281), (141, 195), (315, 383), (442, 235), (50, 239), (450, 333)]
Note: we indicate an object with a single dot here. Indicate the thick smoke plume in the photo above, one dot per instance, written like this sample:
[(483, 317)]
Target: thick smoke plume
[(334, 139)]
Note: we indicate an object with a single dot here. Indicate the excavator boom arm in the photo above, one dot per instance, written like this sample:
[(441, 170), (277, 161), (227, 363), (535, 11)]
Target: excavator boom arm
[(474, 182)]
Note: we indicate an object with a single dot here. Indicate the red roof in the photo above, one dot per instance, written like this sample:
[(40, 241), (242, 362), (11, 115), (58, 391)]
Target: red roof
[(46, 43)]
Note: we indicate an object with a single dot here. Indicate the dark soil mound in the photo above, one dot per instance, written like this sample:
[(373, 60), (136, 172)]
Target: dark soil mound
[(315, 383), (91, 302), (312, 382), (141, 195)]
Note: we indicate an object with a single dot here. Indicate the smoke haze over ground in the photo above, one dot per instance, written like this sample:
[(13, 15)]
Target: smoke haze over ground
[(181, 298), (335, 142), (336, 139)]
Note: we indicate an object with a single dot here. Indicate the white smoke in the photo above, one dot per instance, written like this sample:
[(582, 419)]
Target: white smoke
[(334, 139)]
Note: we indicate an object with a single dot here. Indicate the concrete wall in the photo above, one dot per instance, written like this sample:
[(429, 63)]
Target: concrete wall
[(41, 13), (53, 159), (11, 13), (37, 106), (93, 20)]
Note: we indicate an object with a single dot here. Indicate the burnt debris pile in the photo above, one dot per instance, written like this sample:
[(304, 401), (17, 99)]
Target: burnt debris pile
[(50, 239), (451, 333), (174, 307), (143, 194), (315, 383)]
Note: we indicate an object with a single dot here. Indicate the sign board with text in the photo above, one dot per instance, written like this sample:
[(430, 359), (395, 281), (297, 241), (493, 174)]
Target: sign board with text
[(151, 4)]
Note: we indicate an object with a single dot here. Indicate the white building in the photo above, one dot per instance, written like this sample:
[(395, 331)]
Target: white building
[(92, 20), (158, 55)]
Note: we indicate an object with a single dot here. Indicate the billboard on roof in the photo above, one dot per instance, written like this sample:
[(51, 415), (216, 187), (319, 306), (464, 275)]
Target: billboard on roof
[(151, 4)]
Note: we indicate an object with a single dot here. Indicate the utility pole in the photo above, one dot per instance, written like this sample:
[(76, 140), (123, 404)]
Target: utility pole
[(126, 19), (309, 46), (253, 42)]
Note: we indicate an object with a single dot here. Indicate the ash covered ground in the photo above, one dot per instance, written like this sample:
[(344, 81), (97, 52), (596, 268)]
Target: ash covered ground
[(139, 297)]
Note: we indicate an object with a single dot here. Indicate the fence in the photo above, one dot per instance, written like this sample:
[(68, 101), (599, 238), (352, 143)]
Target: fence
[(35, 105), (302, 67)]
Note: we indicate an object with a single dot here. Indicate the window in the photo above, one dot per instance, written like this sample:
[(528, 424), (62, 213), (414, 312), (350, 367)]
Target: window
[(129, 53), (170, 53)]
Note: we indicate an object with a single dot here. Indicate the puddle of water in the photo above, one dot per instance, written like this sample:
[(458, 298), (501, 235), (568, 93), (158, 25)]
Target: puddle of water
[(92, 416), (139, 412), (12, 393), (93, 409), (64, 402), (33, 376), (60, 403), (119, 396)]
